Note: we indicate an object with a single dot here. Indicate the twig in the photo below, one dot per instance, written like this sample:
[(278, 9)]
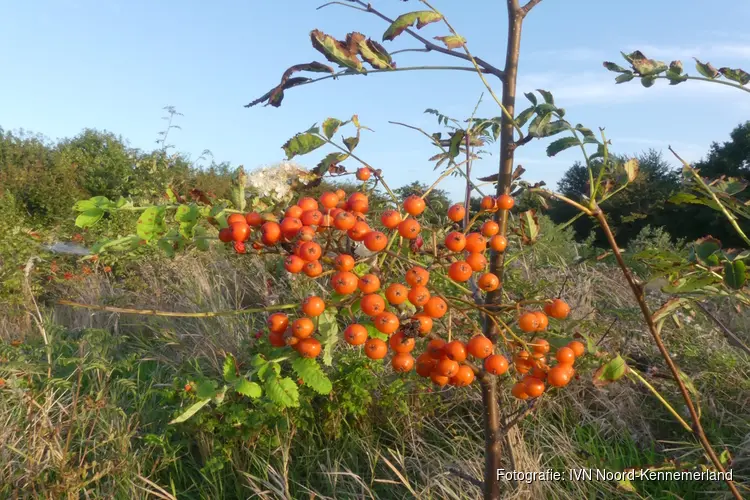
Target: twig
[(607, 332), (515, 419), (733, 339), (174, 314), (529, 5), (466, 477)]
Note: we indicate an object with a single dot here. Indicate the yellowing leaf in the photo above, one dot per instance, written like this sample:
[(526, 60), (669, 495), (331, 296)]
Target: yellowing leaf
[(336, 51), (452, 41), (405, 21)]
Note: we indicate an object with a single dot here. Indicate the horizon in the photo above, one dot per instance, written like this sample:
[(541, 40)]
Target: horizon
[(115, 66)]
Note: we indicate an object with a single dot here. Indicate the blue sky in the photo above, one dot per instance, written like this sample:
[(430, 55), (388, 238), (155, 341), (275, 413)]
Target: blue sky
[(72, 64)]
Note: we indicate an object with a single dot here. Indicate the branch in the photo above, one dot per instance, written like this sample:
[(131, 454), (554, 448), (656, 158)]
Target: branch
[(529, 5), (513, 421), (466, 477), (153, 312), (341, 3), (731, 337), (432, 46)]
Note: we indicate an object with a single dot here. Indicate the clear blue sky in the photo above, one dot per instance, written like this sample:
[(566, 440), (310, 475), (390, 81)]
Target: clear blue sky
[(71, 64)]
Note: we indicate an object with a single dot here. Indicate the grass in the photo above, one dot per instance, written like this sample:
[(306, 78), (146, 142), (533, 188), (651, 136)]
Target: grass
[(95, 426)]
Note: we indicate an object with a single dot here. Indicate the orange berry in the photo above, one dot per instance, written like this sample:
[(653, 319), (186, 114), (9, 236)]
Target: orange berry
[(523, 365), (290, 226), (540, 346), (488, 204), (358, 231), (307, 203), (402, 362), (294, 211), (270, 233), (311, 217), (375, 349), (254, 219), (313, 268), (375, 241), (498, 243), (390, 219), (294, 263), (225, 235), (519, 391), (559, 376), (425, 323), (475, 243), (306, 233), (490, 228), (308, 348), (369, 283), (240, 230), (310, 251), (344, 221), (409, 228), (355, 334), (460, 271), (236, 218), (277, 322), (496, 364), (372, 304), (488, 282), (543, 321), (419, 295), (439, 380), (277, 339), (396, 293), (528, 322), (446, 367), (476, 261), (479, 346), (559, 309), (363, 173), (435, 348), (464, 376), (455, 350), (534, 387), (344, 282), (565, 356), (417, 276), (435, 307), (457, 212), (505, 202), (414, 205), (399, 343), (313, 306), (455, 241), (343, 262), (302, 328), (425, 364), (578, 348), (329, 200), (386, 322)]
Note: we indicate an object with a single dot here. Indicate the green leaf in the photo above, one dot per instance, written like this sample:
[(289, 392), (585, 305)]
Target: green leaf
[(610, 372), (248, 388), (706, 249), (405, 21), (375, 54), (689, 284), (538, 124), (452, 41), (547, 96), (229, 370), (736, 75), (529, 226), (734, 274), (561, 145), (588, 135), (524, 116), (89, 217), (706, 69), (205, 389), (192, 410), (330, 162), (675, 67), (336, 51), (455, 144), (301, 144), (329, 333), (200, 236), (282, 391), (374, 333), (83, 205), (171, 196), (186, 213), (351, 143), (330, 126), (668, 308), (238, 189), (648, 81), (151, 223), (166, 246), (625, 77), (312, 375), (531, 97), (614, 67), (674, 78)]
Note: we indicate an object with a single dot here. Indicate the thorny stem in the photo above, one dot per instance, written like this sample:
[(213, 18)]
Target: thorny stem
[(697, 428)]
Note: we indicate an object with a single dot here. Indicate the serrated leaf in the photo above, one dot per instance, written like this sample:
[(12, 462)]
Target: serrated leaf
[(561, 145), (371, 51), (625, 77), (329, 333), (706, 249), (83, 205), (336, 51), (192, 410), (538, 124), (282, 391), (647, 67), (301, 144), (735, 274), (229, 369), (610, 372), (312, 375), (648, 81), (615, 67), (351, 143), (736, 75), (675, 78), (248, 388), (205, 389), (89, 217), (374, 333), (166, 246), (689, 284), (706, 69), (452, 41), (186, 213), (455, 144), (668, 308), (330, 126), (276, 94), (531, 97), (524, 116), (405, 21), (151, 223), (529, 226)]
